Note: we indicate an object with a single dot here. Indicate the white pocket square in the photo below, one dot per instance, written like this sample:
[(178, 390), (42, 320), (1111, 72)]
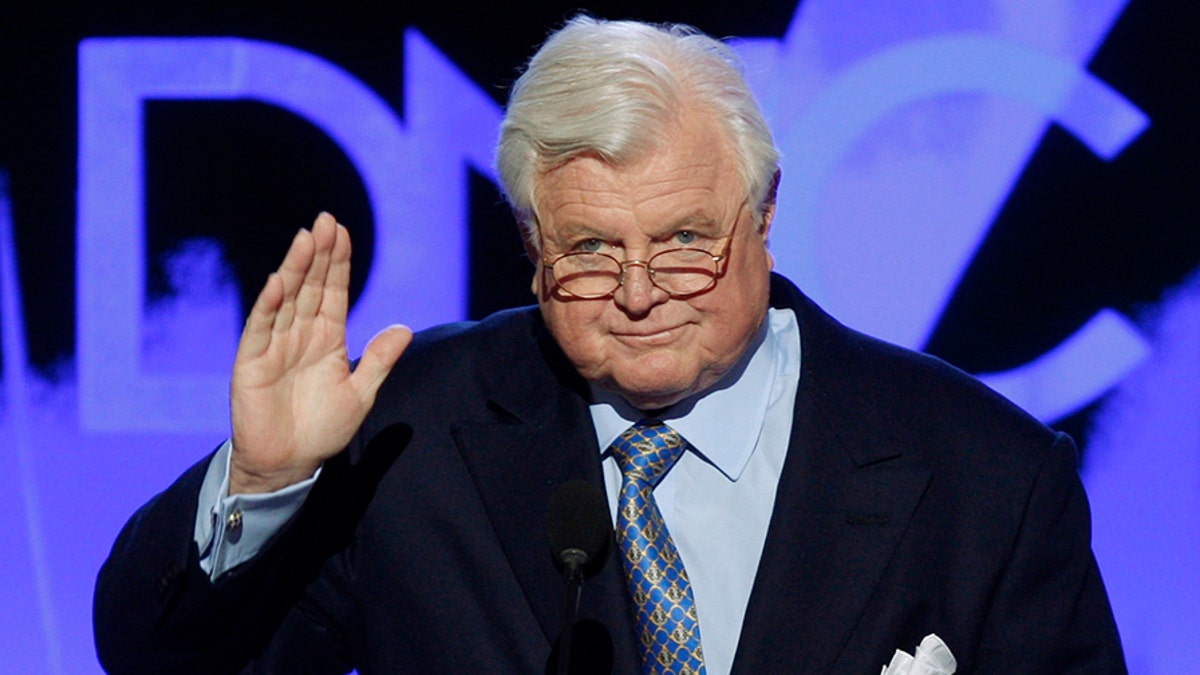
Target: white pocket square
[(932, 657)]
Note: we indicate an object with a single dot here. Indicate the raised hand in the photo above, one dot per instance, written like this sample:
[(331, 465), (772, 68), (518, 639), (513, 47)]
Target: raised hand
[(294, 400)]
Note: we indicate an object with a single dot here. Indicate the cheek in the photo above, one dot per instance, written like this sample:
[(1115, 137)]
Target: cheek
[(751, 282), (735, 310), (577, 328)]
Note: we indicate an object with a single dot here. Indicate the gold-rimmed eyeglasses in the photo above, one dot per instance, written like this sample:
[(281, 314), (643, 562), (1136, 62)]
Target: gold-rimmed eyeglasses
[(680, 272)]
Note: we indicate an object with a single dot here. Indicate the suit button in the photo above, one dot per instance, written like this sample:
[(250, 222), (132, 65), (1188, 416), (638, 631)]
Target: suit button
[(166, 582)]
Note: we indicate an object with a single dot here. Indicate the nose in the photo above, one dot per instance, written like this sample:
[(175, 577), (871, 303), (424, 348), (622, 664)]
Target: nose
[(637, 294)]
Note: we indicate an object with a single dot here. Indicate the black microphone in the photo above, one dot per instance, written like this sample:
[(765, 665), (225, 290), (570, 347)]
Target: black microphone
[(579, 528)]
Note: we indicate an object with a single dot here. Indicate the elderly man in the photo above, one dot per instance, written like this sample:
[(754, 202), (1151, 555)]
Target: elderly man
[(788, 495)]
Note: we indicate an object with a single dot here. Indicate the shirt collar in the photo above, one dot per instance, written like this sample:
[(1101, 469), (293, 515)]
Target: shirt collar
[(722, 424)]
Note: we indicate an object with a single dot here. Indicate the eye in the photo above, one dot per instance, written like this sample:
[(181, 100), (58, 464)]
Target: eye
[(685, 237), (590, 246)]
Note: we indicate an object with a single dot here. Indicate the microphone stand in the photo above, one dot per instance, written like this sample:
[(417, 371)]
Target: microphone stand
[(573, 560), (578, 529)]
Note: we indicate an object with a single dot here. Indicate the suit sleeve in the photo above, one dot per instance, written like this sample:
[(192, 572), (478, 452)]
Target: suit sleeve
[(1050, 612), (157, 611)]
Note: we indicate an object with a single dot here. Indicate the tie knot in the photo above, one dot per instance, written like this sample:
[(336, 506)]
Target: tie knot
[(647, 450)]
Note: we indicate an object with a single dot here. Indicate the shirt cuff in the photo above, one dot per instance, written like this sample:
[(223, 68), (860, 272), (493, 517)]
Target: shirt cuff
[(231, 530)]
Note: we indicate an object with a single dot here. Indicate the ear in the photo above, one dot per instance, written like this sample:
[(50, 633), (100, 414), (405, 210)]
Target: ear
[(768, 216), (527, 238), (531, 252), (768, 205)]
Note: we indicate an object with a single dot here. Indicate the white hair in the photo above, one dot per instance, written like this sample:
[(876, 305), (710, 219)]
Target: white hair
[(608, 89)]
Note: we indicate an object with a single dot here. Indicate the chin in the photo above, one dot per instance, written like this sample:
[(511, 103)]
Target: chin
[(651, 395)]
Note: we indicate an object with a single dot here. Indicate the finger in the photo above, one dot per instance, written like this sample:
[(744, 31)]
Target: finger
[(379, 358), (291, 272), (256, 335), (312, 287), (336, 300)]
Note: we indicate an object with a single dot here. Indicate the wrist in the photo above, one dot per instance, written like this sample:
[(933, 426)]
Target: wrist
[(247, 481)]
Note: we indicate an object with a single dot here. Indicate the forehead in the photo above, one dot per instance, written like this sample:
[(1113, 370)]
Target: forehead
[(690, 174)]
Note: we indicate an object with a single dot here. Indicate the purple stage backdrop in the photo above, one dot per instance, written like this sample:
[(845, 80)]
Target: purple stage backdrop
[(1011, 185)]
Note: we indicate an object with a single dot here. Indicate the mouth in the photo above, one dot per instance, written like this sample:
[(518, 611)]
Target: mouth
[(647, 338)]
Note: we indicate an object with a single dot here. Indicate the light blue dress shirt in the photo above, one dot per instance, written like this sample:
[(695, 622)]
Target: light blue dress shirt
[(232, 529), (717, 499)]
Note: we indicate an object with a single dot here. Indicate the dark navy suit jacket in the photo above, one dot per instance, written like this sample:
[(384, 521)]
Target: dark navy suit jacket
[(913, 500)]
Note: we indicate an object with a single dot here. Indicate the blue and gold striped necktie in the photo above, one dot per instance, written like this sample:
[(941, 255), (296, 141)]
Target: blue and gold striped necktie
[(662, 594)]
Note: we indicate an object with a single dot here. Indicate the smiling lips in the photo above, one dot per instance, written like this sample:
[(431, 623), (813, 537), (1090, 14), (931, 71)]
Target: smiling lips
[(647, 338)]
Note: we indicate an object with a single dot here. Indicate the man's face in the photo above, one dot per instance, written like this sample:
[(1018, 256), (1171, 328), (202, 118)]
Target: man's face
[(652, 349)]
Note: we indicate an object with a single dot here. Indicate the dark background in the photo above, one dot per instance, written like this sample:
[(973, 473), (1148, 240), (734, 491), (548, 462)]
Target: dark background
[(253, 172), (1108, 234)]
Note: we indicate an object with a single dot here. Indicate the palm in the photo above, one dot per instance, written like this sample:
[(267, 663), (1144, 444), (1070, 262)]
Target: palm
[(295, 401)]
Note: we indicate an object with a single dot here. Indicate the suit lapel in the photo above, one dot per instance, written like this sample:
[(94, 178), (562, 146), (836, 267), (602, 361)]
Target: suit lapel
[(541, 436), (842, 504), (833, 531)]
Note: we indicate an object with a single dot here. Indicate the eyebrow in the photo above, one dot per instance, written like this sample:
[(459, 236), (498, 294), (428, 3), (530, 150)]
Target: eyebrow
[(700, 222), (570, 233)]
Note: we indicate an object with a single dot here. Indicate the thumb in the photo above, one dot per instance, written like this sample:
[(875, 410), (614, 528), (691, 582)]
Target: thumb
[(379, 356)]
